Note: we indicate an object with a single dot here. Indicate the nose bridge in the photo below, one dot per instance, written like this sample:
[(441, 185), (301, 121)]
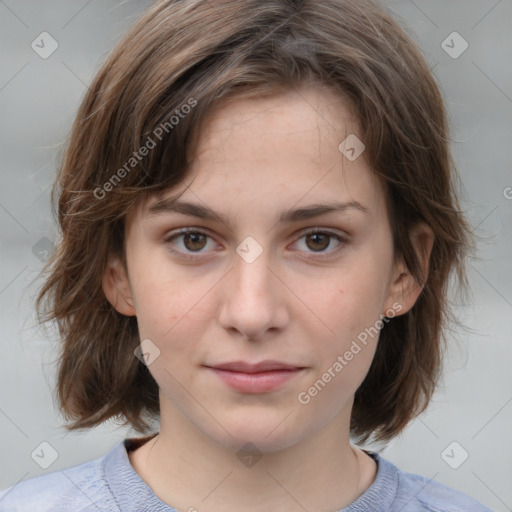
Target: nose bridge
[(252, 299), (252, 274)]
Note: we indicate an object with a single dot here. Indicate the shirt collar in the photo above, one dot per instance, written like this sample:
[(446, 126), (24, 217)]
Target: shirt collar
[(132, 494)]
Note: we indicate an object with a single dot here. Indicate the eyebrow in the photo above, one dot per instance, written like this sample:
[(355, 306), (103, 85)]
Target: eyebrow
[(173, 205)]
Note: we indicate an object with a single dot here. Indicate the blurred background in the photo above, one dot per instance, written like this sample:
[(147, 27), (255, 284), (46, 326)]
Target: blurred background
[(50, 52)]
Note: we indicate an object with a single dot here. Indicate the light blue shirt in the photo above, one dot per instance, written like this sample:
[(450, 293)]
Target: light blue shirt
[(110, 483)]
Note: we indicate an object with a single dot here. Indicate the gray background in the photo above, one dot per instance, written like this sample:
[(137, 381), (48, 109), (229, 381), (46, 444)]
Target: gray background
[(39, 98)]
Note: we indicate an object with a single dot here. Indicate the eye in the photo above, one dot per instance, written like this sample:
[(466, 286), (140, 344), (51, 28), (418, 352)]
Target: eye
[(320, 239), (195, 240)]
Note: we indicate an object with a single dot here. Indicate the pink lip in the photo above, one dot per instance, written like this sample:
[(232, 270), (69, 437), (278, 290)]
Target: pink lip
[(262, 366), (255, 378)]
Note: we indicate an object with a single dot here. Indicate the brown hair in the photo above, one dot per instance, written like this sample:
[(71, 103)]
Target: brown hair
[(195, 52)]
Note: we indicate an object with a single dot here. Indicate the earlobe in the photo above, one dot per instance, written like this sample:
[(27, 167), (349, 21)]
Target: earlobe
[(404, 289), (116, 287)]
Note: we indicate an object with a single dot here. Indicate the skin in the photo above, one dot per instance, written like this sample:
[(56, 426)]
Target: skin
[(255, 159)]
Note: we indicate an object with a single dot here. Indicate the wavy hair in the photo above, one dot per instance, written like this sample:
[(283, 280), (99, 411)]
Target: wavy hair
[(194, 53)]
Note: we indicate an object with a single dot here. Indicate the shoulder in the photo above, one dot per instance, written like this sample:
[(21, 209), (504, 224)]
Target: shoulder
[(81, 488), (419, 493)]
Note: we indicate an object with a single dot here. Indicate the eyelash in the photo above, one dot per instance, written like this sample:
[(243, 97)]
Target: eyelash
[(318, 255)]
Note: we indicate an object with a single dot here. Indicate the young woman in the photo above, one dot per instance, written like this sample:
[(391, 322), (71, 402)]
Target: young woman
[(258, 222)]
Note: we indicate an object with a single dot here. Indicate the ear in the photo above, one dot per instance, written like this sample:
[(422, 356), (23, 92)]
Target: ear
[(403, 289), (116, 287)]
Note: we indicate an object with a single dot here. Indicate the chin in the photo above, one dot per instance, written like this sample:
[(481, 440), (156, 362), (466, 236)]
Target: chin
[(264, 431)]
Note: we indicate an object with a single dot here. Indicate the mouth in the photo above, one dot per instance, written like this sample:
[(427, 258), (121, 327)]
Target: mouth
[(260, 377)]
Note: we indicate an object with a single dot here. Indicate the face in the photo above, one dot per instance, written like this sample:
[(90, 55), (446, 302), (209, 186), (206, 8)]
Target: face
[(306, 291)]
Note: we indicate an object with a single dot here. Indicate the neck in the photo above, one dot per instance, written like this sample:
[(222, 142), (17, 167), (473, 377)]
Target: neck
[(187, 469)]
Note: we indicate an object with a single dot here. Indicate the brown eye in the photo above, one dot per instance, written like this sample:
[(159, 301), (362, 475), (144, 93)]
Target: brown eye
[(194, 241), (319, 241)]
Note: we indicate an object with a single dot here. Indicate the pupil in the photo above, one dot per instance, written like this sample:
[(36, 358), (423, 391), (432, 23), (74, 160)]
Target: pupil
[(319, 235), (194, 236)]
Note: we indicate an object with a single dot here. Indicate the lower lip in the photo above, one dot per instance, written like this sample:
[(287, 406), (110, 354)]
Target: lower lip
[(256, 382)]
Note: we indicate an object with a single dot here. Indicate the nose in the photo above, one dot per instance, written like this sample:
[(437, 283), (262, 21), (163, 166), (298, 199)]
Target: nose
[(253, 298)]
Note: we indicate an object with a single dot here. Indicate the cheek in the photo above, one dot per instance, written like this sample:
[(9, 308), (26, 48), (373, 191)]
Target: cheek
[(350, 306), (353, 301), (170, 305), (345, 357)]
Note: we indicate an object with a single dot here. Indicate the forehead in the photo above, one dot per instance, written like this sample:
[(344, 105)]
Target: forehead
[(271, 154), (319, 113)]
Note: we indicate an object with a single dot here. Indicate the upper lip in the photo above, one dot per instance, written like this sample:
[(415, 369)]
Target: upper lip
[(263, 366)]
